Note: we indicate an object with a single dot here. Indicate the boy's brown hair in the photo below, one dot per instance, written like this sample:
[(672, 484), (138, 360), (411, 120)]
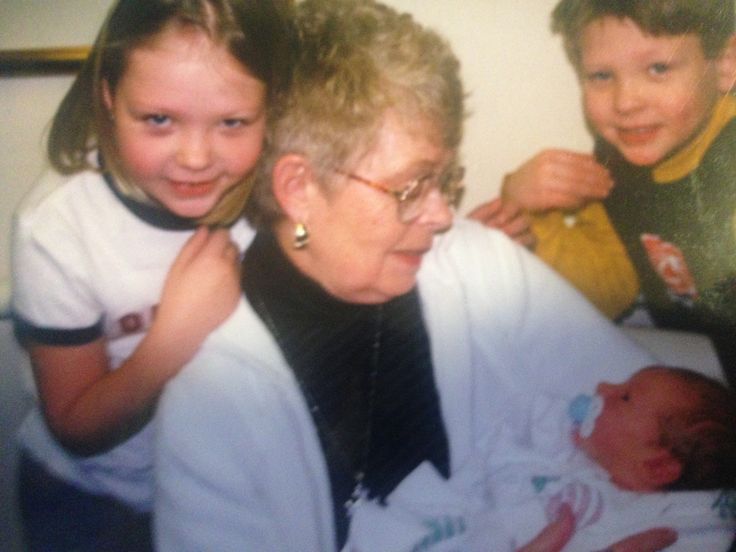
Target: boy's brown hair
[(702, 434), (711, 20)]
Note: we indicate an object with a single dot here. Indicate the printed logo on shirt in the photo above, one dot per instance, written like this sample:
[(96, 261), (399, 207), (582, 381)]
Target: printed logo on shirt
[(131, 323), (669, 263)]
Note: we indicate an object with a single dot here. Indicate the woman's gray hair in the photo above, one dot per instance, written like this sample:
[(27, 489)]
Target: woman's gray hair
[(359, 59)]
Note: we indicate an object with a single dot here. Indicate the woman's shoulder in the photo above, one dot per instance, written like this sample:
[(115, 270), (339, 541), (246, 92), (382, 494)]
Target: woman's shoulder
[(470, 250), (238, 359)]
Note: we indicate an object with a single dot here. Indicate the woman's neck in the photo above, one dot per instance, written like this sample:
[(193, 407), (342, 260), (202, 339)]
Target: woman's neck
[(304, 261)]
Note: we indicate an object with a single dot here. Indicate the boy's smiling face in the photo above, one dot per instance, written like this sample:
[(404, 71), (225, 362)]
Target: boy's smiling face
[(646, 95)]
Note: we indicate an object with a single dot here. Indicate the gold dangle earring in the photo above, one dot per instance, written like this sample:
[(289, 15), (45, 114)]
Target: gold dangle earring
[(301, 236)]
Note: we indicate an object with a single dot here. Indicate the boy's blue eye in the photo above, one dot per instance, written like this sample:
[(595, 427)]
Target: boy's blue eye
[(659, 68), (599, 76)]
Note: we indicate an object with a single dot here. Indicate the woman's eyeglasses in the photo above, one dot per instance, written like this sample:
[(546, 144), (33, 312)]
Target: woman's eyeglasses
[(412, 197)]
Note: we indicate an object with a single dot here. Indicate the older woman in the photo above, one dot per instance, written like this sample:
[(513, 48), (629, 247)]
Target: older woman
[(371, 338)]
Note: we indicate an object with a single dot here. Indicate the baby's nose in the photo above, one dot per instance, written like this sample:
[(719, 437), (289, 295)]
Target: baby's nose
[(604, 388)]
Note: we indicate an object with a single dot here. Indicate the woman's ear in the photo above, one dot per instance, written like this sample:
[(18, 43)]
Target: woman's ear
[(292, 175), (726, 64)]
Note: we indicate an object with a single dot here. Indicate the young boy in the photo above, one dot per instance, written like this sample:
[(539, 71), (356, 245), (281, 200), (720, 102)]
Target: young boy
[(605, 456), (656, 77)]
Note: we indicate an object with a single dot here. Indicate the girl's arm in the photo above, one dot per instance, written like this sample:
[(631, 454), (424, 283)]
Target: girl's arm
[(97, 408)]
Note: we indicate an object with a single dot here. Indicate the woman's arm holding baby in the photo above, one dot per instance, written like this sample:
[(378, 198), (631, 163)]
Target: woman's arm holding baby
[(555, 536)]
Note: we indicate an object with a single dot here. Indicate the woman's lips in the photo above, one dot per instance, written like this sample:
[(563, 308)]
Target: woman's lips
[(411, 257)]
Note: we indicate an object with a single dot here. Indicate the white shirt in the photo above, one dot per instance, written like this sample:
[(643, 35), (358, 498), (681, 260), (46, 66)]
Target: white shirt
[(239, 464), (83, 264)]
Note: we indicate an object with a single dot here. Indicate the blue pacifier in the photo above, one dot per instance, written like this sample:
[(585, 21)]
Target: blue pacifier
[(584, 411)]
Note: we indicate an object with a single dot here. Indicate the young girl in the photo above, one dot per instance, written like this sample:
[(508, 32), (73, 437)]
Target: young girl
[(125, 256)]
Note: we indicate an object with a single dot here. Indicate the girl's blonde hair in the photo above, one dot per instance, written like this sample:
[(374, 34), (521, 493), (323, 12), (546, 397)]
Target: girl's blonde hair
[(257, 33)]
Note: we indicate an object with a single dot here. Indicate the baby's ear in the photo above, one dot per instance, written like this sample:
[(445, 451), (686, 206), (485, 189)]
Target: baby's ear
[(726, 64), (661, 468)]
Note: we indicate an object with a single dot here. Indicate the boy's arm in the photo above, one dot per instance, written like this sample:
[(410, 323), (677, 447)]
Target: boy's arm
[(585, 249), (507, 217), (557, 179)]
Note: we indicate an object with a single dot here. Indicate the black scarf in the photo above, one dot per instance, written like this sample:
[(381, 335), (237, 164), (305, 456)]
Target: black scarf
[(376, 409)]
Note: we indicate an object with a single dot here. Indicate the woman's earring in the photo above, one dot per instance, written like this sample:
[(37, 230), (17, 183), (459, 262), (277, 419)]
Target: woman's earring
[(301, 236)]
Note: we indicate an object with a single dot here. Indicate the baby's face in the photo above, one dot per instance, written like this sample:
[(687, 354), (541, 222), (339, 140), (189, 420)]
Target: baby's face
[(646, 95), (626, 432)]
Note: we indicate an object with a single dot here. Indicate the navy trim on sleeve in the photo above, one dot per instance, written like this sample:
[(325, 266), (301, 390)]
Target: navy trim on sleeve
[(55, 336)]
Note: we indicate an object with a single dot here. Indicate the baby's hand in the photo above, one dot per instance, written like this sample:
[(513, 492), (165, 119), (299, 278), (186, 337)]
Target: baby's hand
[(507, 217), (202, 287), (557, 179)]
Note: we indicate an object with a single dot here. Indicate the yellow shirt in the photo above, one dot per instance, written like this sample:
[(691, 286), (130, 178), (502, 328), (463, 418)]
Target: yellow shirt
[(583, 245)]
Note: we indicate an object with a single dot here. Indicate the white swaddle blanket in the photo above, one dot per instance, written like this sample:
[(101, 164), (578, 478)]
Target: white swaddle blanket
[(427, 513), (499, 501)]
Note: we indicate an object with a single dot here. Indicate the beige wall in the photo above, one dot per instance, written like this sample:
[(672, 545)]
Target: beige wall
[(522, 93), (27, 103)]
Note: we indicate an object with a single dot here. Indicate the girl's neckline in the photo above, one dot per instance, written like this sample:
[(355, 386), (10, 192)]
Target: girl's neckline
[(149, 213)]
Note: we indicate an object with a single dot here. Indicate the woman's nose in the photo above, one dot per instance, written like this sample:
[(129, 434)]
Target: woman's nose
[(436, 211)]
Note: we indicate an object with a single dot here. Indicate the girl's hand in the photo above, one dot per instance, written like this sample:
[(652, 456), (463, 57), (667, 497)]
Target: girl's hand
[(201, 290), (507, 217), (557, 179), (99, 408)]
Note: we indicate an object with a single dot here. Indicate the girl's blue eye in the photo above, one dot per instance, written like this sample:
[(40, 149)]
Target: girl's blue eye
[(235, 123), (158, 119)]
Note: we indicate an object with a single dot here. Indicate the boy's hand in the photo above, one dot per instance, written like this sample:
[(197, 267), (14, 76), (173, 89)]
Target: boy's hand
[(557, 179), (507, 217)]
